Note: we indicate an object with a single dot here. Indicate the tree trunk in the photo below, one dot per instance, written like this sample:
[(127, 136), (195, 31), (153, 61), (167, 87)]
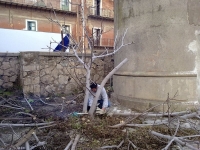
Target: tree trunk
[(86, 90), (93, 107)]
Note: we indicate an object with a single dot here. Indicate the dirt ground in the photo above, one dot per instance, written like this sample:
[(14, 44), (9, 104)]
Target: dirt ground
[(94, 134)]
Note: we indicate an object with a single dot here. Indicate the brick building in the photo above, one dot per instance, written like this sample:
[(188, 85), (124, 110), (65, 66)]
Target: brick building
[(34, 15)]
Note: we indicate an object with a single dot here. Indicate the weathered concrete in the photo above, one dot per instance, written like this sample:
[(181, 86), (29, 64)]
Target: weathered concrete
[(162, 59)]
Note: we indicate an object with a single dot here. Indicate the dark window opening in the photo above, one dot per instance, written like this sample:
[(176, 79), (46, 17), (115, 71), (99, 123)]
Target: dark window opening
[(96, 36), (31, 25), (98, 5)]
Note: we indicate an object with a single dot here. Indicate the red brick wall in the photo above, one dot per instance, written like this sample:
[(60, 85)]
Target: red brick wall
[(108, 4), (15, 18)]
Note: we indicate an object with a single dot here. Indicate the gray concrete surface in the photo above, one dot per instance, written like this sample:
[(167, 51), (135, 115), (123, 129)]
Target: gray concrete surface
[(163, 58)]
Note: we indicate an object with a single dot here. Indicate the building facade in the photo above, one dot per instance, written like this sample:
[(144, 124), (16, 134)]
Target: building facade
[(44, 16), (164, 59)]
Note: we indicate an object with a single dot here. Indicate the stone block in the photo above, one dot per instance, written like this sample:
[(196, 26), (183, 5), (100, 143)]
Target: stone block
[(36, 80), (59, 66), (5, 65), (49, 89), (14, 62), (56, 82), (63, 79), (24, 73), (66, 71), (29, 58), (31, 88), (17, 67), (42, 72), (6, 59), (1, 82), (27, 81), (47, 79), (1, 59), (13, 78), (36, 89), (42, 91), (47, 71), (9, 72), (7, 85), (37, 67), (5, 78), (29, 68), (25, 89), (54, 73), (96, 77), (1, 72)]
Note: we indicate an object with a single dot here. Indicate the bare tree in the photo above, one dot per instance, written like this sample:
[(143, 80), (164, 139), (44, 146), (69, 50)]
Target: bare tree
[(79, 46)]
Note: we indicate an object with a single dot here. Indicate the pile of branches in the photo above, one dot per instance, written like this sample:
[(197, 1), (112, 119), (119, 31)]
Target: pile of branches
[(22, 119), (114, 130)]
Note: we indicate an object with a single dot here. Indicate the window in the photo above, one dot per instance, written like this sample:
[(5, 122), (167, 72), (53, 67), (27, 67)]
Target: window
[(66, 29), (96, 36), (65, 5), (31, 25), (97, 4)]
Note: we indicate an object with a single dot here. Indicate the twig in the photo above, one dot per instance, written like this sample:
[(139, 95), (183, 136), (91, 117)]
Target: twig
[(145, 125), (62, 106), (24, 138), (47, 126), (28, 114), (150, 115), (11, 107), (168, 145), (38, 141), (113, 146), (75, 141), (189, 115), (49, 104), (4, 144), (132, 144), (27, 146), (124, 123), (176, 139), (24, 125), (68, 145), (29, 104)]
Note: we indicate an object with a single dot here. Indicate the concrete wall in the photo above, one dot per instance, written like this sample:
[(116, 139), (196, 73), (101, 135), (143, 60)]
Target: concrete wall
[(162, 59), (42, 73)]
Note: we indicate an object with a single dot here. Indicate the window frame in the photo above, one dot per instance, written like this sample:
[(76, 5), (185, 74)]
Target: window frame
[(69, 28), (36, 26), (61, 5), (100, 7), (100, 37)]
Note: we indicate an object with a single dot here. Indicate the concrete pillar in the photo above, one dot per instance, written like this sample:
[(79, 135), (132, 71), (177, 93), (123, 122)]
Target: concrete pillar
[(198, 63), (163, 58)]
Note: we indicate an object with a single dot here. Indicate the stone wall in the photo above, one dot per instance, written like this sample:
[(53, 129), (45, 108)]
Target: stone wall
[(48, 73), (9, 70), (53, 73)]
